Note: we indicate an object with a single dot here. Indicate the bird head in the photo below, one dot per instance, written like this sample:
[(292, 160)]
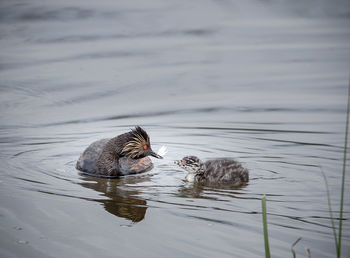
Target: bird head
[(191, 164), (138, 145)]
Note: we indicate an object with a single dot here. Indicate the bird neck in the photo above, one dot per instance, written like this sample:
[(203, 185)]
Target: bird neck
[(201, 169)]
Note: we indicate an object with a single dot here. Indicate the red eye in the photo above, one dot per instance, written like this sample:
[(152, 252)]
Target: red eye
[(145, 147)]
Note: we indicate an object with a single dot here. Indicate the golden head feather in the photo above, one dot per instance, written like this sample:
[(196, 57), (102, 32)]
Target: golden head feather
[(138, 143)]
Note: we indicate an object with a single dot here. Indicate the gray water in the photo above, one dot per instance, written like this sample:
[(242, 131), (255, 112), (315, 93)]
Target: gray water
[(263, 82)]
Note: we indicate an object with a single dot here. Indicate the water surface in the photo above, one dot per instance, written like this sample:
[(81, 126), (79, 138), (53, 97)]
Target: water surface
[(263, 82)]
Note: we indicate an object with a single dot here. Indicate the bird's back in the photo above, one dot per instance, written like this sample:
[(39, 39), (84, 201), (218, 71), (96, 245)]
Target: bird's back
[(88, 161), (226, 171)]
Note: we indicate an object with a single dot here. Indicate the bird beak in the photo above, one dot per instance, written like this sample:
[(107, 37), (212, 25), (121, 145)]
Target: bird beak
[(152, 153), (179, 162)]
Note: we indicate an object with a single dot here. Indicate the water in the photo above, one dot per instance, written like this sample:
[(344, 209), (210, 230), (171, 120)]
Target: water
[(264, 82)]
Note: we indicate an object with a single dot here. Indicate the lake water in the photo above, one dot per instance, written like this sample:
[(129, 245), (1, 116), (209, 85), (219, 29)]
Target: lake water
[(263, 82)]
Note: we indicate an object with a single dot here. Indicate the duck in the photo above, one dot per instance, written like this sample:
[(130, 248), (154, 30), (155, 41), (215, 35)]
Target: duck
[(122, 155), (227, 171)]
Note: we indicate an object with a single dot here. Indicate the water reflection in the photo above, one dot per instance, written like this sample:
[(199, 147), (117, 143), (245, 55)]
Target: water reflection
[(200, 190), (260, 81), (123, 201)]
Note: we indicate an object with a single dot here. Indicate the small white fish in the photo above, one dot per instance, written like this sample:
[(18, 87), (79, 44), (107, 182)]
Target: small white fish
[(162, 151)]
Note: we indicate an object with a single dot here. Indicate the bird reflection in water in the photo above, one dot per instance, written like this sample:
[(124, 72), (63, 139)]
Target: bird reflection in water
[(122, 201), (202, 190)]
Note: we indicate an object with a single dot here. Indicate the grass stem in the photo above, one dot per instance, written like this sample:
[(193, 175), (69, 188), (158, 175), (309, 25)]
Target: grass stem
[(292, 247), (266, 236), (343, 176), (330, 209)]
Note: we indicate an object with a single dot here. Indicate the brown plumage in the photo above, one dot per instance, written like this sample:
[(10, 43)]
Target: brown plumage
[(121, 155)]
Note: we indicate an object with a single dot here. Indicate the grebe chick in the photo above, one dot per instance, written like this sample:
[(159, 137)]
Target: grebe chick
[(121, 155), (214, 171)]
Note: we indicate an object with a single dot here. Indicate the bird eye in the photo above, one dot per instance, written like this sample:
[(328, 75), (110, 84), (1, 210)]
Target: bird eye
[(145, 147)]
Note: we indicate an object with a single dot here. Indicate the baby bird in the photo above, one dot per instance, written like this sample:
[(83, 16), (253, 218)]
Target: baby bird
[(214, 171), (121, 155)]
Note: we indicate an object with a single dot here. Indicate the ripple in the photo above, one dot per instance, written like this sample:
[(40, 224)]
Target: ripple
[(267, 91)]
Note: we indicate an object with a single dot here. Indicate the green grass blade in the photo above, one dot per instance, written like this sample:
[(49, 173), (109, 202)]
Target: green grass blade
[(343, 176), (266, 236), (330, 209)]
